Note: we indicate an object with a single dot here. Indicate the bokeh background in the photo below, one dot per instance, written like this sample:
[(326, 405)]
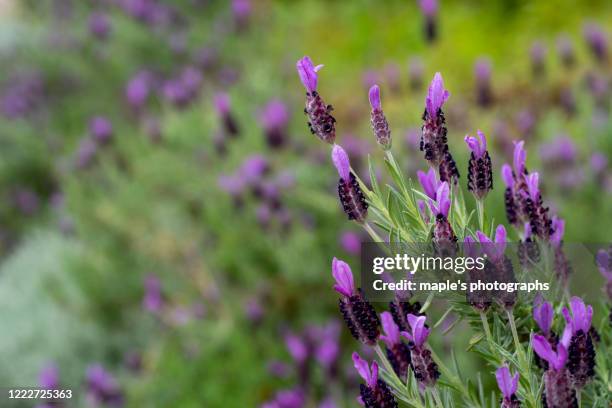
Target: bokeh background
[(167, 221)]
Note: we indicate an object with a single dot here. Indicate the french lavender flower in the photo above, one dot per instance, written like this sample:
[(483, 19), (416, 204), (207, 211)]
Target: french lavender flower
[(400, 307), (86, 153), (375, 393), (424, 367), (533, 207), (563, 268), (138, 89), (48, 379), (558, 391), (350, 242), (508, 384), (444, 237), (537, 53), (581, 350), (429, 182), (543, 315), (478, 299), (320, 121), (222, 105), (597, 41), (351, 197), (153, 300), (274, 118), (102, 387), (415, 73), (528, 249), (482, 72), (429, 8), (99, 26), (101, 129), (398, 353), (565, 49), (480, 169), (498, 266), (358, 313), (380, 126), (433, 138)]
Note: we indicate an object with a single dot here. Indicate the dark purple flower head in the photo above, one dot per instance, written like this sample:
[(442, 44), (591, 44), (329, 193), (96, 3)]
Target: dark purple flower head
[(418, 332), (494, 249), (477, 145), (429, 181), (441, 205), (374, 96), (507, 383), (369, 375), (543, 315), (558, 226), (308, 73), (297, 347), (429, 7), (580, 317), (392, 331), (596, 39), (507, 176), (101, 129), (519, 158), (556, 359), (48, 377), (99, 25), (274, 115), (436, 96), (242, 9), (344, 278), (341, 161)]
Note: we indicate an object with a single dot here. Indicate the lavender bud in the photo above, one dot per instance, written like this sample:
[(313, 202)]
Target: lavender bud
[(320, 121), (581, 362), (537, 53), (101, 129), (429, 8), (597, 41), (480, 169), (398, 353), (99, 26), (482, 72), (378, 120), (350, 194), (565, 49), (374, 393), (508, 385)]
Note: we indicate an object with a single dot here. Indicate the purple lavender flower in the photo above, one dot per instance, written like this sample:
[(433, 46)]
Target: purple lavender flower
[(101, 129), (444, 237), (222, 105), (415, 73), (537, 53), (482, 72), (48, 377), (424, 367), (429, 181), (320, 121), (429, 8), (138, 89), (398, 353), (543, 315), (297, 348), (558, 390), (375, 392), (498, 266), (358, 313), (565, 49), (351, 242), (274, 118), (480, 168), (581, 350), (351, 197), (508, 384), (433, 138), (99, 26), (22, 96), (242, 10), (86, 153), (291, 398), (153, 300), (597, 41), (378, 119), (26, 201), (102, 387)]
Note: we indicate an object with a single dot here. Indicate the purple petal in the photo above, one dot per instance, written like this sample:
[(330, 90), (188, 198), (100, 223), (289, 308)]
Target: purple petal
[(603, 263), (470, 248), (429, 182), (501, 238), (507, 176), (344, 278), (429, 7), (579, 314), (436, 95), (374, 378), (364, 371), (566, 337), (442, 198), (543, 316), (520, 156), (374, 96), (483, 140), (419, 331), (483, 238), (533, 180), (392, 332), (558, 226), (222, 103), (543, 349), (308, 73), (341, 161), (507, 384)]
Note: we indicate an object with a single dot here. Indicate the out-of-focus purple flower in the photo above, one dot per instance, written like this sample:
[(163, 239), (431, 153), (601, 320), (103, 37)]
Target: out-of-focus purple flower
[(599, 162), (350, 242), (565, 48), (327, 352), (560, 150), (86, 152), (253, 309), (429, 181), (278, 369), (525, 122), (604, 263), (507, 383), (242, 10), (153, 300), (537, 53), (253, 168), (101, 129), (369, 78), (436, 96), (344, 278), (26, 201), (102, 387), (597, 41), (543, 315), (415, 73), (274, 118), (442, 203), (48, 377), (23, 94), (297, 347), (392, 76), (556, 359), (292, 398), (138, 89), (418, 332), (558, 227), (99, 25), (482, 72), (429, 7), (231, 184)]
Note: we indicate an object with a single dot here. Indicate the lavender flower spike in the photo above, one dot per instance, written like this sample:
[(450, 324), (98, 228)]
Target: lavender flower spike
[(581, 350), (445, 240), (558, 391), (556, 359), (398, 352), (320, 120), (378, 119), (429, 182), (520, 156), (480, 168), (375, 392), (424, 367), (508, 384), (429, 8), (558, 226), (350, 194), (543, 316), (436, 96), (358, 313)]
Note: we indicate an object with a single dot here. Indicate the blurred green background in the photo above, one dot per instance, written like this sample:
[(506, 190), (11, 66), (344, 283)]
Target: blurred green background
[(239, 234)]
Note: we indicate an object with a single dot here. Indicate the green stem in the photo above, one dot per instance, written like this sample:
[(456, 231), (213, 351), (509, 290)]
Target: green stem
[(436, 396), (517, 343), (481, 214), (372, 233), (397, 382), (487, 330)]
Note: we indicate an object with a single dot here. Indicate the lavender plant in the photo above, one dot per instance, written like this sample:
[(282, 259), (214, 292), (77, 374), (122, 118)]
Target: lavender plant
[(549, 370)]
